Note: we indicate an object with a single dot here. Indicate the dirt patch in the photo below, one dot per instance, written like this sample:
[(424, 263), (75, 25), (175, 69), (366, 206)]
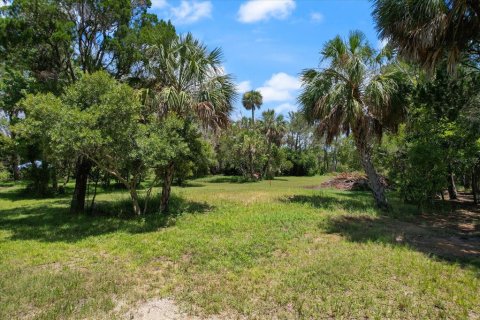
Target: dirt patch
[(163, 309), (453, 236), (157, 309), (347, 181)]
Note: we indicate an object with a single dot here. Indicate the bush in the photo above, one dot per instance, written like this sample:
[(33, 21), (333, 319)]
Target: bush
[(4, 174)]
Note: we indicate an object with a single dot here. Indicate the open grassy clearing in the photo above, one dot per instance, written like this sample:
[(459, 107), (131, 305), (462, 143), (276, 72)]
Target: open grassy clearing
[(254, 250)]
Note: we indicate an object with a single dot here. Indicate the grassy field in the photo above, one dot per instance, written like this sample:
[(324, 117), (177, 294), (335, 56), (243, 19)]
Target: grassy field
[(255, 250)]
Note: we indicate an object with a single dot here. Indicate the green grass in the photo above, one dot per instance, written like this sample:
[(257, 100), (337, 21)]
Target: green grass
[(260, 250)]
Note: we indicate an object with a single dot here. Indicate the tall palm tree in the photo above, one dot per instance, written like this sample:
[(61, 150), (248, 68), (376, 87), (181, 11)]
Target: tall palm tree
[(252, 100), (354, 94), (428, 31), (188, 80)]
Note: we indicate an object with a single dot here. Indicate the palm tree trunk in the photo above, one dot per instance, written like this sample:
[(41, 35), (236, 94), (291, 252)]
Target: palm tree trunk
[(166, 188), (266, 167), (325, 159), (250, 161), (253, 115), (374, 181), (335, 155)]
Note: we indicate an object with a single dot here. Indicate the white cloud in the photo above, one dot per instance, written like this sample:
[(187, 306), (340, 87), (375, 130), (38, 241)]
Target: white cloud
[(244, 86), (381, 44), (316, 16), (222, 70), (285, 108), (258, 10), (279, 87), (191, 11), (158, 4)]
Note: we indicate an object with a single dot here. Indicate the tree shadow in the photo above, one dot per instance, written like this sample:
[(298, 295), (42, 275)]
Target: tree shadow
[(18, 194), (190, 184), (52, 222), (229, 179), (433, 234), (351, 203), (7, 184), (443, 244)]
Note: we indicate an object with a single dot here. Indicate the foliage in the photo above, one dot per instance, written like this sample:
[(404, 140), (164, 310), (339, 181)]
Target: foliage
[(4, 174), (255, 150), (356, 92), (244, 149), (439, 138), (186, 78), (429, 31)]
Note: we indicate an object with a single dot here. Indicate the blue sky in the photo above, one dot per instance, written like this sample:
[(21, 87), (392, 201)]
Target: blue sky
[(266, 43)]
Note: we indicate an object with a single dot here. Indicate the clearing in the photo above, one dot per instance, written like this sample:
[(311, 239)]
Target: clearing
[(239, 250)]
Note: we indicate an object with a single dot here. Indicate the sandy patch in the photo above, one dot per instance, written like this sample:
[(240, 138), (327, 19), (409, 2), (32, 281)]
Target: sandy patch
[(163, 309)]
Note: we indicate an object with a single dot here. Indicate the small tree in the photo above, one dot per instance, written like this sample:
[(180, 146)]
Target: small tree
[(98, 119), (171, 147)]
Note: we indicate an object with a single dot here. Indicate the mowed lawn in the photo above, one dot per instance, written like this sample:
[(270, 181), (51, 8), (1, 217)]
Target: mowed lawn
[(253, 250)]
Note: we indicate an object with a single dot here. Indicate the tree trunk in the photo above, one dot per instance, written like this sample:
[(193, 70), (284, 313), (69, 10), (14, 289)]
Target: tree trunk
[(166, 188), (54, 179), (15, 158), (467, 182), (81, 178), (134, 196), (250, 156), (335, 155), (374, 181), (147, 197), (266, 169), (475, 187), (253, 115), (325, 159), (15, 162), (452, 190)]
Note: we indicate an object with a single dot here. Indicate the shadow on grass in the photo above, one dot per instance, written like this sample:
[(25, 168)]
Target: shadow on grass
[(23, 193), (353, 203), (442, 244), (403, 225), (229, 179), (52, 222), (190, 184), (7, 184)]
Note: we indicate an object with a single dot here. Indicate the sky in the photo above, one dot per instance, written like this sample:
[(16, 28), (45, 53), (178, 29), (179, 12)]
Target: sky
[(267, 43)]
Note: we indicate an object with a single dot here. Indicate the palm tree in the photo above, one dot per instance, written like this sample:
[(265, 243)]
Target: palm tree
[(354, 94), (252, 100), (274, 128), (188, 80), (428, 31)]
